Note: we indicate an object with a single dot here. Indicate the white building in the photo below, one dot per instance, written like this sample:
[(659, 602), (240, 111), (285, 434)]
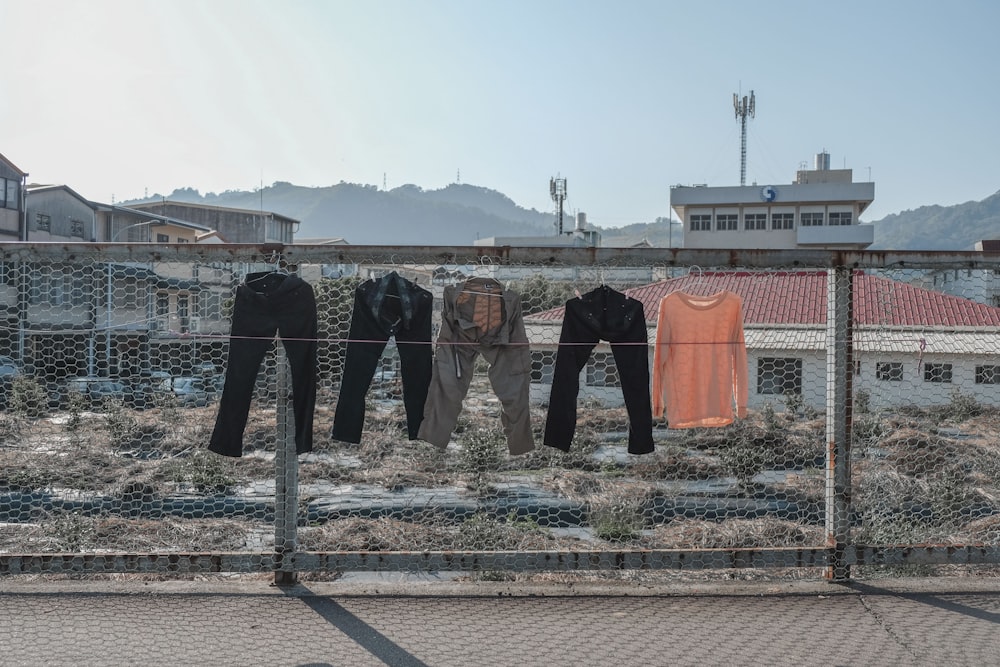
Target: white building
[(912, 346), (820, 209)]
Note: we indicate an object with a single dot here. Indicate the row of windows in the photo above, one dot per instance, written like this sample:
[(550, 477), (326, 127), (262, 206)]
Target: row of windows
[(729, 222), (892, 371), (775, 375), (165, 238), (43, 223), (207, 304)]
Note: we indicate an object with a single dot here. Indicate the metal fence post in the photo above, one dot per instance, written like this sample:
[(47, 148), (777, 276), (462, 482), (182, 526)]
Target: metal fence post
[(286, 487), (840, 373)]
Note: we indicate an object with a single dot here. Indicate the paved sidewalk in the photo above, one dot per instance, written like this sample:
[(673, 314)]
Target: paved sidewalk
[(885, 622)]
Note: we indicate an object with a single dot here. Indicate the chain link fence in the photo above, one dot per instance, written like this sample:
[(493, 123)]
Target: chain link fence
[(864, 440)]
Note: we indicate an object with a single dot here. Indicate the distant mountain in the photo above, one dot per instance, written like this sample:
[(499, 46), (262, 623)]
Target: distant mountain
[(407, 215), (956, 227), (459, 214)]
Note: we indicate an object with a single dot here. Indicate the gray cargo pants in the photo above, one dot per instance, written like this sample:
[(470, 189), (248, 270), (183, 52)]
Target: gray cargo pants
[(479, 317)]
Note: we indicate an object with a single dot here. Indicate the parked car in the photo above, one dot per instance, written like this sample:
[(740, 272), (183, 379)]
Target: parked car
[(9, 367), (144, 388), (95, 390), (191, 391)]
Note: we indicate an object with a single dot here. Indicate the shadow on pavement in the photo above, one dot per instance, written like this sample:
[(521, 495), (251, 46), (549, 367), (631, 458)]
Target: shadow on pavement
[(365, 635)]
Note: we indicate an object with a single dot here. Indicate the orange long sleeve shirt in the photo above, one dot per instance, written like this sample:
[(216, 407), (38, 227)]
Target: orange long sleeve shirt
[(700, 360)]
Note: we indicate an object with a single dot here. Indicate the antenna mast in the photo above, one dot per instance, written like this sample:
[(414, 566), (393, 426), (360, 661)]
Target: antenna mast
[(557, 188), (743, 108)]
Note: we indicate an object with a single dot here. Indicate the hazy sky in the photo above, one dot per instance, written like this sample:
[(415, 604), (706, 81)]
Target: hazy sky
[(119, 98)]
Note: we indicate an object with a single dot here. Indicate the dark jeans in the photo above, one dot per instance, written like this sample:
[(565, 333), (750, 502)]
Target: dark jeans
[(602, 314), (265, 304), (388, 307)]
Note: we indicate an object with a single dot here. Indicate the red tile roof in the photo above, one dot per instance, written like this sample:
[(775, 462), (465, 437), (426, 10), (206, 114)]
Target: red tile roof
[(799, 297)]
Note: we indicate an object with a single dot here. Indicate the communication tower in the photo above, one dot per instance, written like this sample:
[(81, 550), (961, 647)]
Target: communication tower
[(743, 107), (557, 188)]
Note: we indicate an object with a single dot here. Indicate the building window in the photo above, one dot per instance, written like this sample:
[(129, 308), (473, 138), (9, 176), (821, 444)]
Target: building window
[(210, 304), (782, 221), (727, 222), (602, 371), (162, 238), (701, 223), (889, 371), (988, 374), (43, 223), (812, 219), (9, 192), (779, 375), (162, 304), (131, 295), (841, 218), (181, 240), (543, 365), (937, 373), (76, 228), (55, 287), (753, 221)]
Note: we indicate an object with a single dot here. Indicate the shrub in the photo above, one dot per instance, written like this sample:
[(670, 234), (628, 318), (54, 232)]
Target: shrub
[(617, 519), (121, 426), (28, 397), (482, 453), (204, 470), (961, 407), (744, 461)]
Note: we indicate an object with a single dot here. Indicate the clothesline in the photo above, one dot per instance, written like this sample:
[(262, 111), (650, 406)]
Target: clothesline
[(919, 341)]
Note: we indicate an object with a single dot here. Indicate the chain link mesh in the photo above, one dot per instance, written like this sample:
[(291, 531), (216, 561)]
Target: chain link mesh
[(113, 364)]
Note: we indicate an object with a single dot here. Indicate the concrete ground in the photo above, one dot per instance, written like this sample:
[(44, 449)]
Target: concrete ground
[(950, 621)]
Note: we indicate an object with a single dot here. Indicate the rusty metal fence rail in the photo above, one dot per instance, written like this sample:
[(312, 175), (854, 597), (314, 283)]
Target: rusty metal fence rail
[(865, 438)]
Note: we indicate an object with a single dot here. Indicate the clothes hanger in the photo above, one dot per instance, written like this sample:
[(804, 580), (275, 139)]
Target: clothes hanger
[(278, 269), (699, 281), (490, 282)]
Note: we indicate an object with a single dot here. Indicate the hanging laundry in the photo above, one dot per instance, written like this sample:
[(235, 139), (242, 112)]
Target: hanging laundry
[(700, 360), (480, 317), (602, 314), (267, 303), (387, 307)]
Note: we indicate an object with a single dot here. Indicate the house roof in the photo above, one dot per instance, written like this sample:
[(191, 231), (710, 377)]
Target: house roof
[(153, 205), (11, 165), (176, 222), (38, 188), (799, 298)]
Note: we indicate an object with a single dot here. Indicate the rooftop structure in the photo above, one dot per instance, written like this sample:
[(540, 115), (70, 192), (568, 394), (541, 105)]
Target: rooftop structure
[(820, 209)]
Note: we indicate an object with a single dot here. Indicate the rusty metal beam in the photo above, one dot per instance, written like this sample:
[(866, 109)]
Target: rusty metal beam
[(503, 255)]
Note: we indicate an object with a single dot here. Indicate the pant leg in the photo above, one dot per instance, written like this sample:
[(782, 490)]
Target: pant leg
[(415, 365), (633, 370), (298, 327), (576, 342), (451, 376), (360, 363), (253, 329), (510, 377)]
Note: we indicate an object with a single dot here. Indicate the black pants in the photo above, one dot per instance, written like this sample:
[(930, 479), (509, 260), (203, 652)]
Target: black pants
[(384, 308), (602, 314), (265, 304)]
